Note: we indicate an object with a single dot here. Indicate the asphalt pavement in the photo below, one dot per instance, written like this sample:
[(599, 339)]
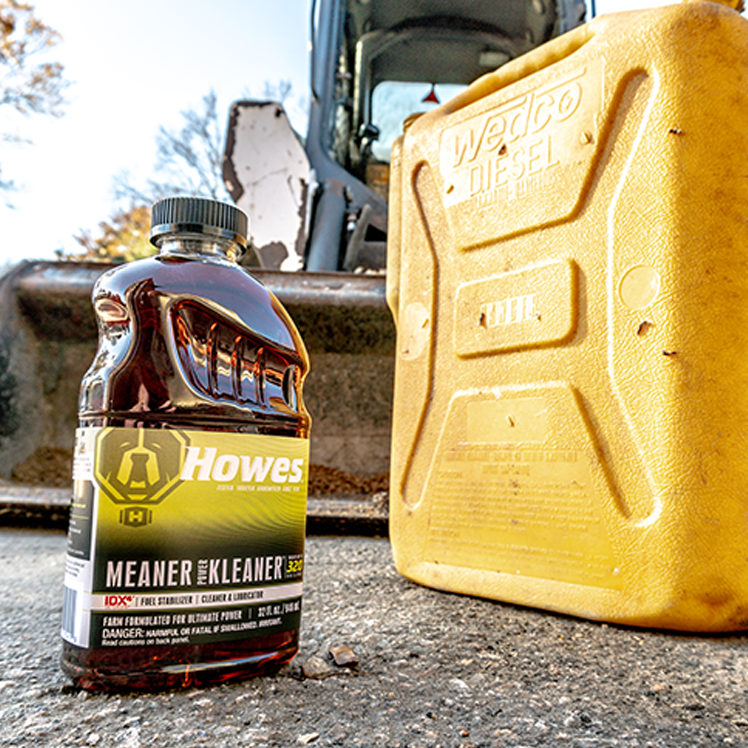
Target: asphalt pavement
[(434, 670)]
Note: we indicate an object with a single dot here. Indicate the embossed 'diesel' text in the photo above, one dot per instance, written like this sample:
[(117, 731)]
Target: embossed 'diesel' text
[(510, 143)]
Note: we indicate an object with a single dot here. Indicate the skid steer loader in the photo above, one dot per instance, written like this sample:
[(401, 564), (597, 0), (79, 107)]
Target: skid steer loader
[(318, 214)]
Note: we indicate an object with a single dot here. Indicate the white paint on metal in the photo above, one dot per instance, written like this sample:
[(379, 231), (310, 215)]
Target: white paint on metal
[(274, 174)]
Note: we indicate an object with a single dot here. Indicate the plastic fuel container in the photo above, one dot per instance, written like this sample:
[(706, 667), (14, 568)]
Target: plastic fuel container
[(568, 271), (186, 541)]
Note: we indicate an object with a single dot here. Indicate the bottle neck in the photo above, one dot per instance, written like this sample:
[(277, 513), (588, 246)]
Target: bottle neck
[(196, 245)]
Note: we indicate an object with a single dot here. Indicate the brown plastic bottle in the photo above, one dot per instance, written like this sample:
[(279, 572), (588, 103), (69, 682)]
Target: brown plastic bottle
[(185, 548)]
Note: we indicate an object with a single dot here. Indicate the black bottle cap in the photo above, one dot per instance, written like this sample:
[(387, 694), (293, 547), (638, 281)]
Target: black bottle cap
[(198, 215)]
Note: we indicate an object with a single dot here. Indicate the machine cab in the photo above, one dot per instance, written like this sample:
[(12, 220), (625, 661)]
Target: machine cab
[(374, 63)]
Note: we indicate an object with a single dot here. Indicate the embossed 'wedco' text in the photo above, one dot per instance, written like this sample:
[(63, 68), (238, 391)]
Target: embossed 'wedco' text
[(480, 147), (515, 147)]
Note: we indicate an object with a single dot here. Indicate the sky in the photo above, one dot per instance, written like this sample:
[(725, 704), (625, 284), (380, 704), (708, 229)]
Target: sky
[(135, 66)]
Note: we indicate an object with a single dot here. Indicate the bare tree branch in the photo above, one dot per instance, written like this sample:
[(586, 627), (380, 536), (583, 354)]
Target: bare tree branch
[(188, 160)]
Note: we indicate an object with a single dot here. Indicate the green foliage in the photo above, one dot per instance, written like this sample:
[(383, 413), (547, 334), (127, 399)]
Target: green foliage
[(123, 238)]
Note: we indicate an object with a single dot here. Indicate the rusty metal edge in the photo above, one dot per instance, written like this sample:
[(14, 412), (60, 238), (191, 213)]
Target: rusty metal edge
[(36, 279), (335, 312)]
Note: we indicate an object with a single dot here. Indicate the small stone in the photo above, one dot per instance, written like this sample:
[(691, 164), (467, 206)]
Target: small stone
[(344, 656), (316, 668), (460, 684), (477, 680), (308, 738), (338, 732), (132, 738), (93, 738)]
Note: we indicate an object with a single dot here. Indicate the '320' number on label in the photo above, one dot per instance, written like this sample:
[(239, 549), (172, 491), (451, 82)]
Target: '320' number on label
[(295, 565)]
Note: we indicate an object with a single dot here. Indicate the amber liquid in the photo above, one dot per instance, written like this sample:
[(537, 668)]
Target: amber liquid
[(191, 344)]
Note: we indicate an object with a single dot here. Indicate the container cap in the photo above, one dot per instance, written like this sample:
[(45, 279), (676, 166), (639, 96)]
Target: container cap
[(198, 215)]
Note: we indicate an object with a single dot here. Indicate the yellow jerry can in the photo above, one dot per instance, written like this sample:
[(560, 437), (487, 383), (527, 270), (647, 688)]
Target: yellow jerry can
[(568, 271)]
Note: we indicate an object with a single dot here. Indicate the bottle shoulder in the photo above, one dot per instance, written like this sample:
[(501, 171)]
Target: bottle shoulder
[(172, 272), (219, 286)]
